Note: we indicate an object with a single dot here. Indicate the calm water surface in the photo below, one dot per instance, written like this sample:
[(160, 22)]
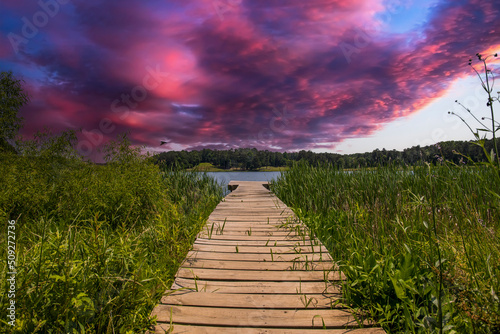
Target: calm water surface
[(225, 177)]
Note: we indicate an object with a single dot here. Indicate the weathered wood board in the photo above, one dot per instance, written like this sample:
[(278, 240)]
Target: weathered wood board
[(255, 269)]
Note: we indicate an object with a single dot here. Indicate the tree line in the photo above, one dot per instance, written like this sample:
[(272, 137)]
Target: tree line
[(458, 152)]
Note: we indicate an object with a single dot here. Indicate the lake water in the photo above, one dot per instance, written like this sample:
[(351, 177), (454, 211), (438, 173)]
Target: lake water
[(225, 177)]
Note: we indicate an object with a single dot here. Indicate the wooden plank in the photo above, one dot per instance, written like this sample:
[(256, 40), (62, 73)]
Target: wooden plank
[(255, 212), (258, 275), (254, 225), (243, 236), (244, 210), (270, 242), (247, 207), (278, 224), (221, 228), (274, 216), (252, 220), (268, 201), (257, 219), (259, 256), (248, 227), (185, 329), (278, 227), (301, 318), (260, 249), (264, 205), (255, 287), (244, 226), (257, 265), (239, 300)]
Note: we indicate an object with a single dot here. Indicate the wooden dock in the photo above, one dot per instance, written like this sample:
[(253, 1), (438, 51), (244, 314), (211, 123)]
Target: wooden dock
[(255, 269)]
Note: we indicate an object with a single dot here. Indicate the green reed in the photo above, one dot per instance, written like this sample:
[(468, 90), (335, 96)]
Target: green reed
[(419, 246), (96, 245)]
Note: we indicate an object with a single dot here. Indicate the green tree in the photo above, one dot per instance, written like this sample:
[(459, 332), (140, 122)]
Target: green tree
[(12, 98)]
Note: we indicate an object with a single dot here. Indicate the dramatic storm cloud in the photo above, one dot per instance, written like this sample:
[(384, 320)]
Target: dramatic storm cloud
[(271, 74)]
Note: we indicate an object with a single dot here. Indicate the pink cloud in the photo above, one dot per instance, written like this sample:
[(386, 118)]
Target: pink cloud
[(224, 76)]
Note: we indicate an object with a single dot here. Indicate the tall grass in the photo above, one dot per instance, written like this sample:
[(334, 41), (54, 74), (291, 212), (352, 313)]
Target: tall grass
[(420, 247), (97, 244)]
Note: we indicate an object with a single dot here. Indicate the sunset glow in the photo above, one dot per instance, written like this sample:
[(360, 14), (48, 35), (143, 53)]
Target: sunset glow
[(271, 74)]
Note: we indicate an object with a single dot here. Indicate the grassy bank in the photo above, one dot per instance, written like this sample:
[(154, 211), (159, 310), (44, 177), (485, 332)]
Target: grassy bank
[(420, 247), (96, 245)]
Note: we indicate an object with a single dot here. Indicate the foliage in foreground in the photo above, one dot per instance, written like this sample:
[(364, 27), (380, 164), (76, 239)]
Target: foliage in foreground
[(96, 245), (420, 247)]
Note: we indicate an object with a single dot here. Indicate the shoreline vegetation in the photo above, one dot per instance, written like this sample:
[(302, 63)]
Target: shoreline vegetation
[(420, 247), (96, 245)]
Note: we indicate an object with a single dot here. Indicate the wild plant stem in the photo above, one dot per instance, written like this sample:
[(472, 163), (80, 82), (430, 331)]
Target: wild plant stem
[(490, 102), (440, 278)]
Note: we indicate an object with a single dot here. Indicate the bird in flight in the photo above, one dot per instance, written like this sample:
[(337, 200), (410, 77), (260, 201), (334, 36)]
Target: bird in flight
[(163, 142)]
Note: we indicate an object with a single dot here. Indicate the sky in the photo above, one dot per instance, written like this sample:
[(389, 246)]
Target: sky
[(327, 76)]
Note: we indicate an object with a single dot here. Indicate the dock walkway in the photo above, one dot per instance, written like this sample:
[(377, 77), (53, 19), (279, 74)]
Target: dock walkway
[(255, 269)]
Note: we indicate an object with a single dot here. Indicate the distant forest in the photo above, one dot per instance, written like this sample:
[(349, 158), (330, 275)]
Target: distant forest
[(252, 159)]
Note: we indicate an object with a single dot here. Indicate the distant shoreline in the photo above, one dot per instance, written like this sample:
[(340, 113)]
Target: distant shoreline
[(206, 167)]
